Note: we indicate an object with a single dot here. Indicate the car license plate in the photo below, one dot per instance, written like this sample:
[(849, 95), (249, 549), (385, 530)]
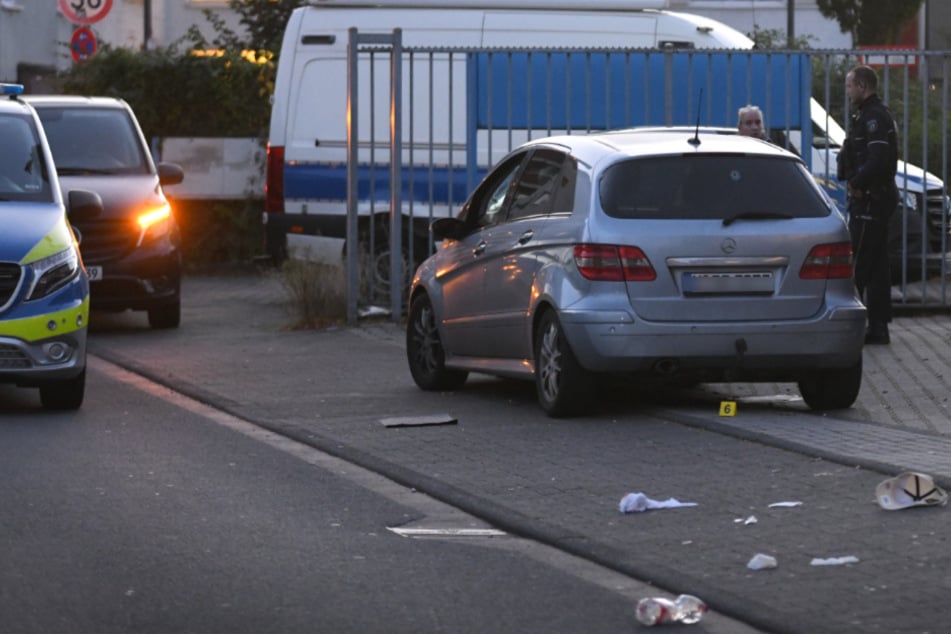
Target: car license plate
[(94, 273), (697, 283)]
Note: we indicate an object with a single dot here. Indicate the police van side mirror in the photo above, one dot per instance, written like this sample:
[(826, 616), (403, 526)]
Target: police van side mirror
[(83, 205), (170, 174)]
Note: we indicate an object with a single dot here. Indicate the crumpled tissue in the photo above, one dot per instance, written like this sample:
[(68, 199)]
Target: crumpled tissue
[(637, 502)]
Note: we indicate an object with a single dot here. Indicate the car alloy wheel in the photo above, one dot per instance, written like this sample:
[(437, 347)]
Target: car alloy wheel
[(424, 350), (563, 386)]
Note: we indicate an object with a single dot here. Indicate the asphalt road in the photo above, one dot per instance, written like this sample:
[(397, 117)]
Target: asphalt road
[(559, 482), (145, 512)]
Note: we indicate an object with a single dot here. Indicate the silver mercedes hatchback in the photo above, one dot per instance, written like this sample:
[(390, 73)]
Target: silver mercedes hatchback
[(647, 254)]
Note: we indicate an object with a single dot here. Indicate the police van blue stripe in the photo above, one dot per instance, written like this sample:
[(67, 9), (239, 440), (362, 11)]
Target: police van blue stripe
[(328, 181)]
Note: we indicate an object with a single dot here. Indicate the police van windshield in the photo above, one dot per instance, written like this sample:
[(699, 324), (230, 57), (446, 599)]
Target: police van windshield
[(92, 141), (23, 175)]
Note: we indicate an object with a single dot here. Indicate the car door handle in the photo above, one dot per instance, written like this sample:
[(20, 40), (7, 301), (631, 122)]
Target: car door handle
[(479, 249), (525, 237)]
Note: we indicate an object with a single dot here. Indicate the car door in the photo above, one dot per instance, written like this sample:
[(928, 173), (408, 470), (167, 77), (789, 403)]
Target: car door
[(512, 254), (462, 263)]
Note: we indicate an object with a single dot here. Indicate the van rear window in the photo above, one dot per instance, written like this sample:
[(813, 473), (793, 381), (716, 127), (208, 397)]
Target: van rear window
[(709, 187)]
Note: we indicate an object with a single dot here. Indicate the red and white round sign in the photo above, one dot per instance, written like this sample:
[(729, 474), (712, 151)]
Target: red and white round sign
[(85, 11), (82, 45)]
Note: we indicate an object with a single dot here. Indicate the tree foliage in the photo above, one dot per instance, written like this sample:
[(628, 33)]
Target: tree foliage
[(181, 90), (870, 22), (264, 21), (777, 39)]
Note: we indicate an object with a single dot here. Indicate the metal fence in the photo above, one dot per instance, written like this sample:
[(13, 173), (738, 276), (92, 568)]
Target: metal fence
[(425, 124)]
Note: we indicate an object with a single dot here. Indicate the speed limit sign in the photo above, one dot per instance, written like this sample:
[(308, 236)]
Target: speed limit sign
[(85, 11)]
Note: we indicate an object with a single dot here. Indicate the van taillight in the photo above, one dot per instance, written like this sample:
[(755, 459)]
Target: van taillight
[(609, 263), (828, 262), (274, 185)]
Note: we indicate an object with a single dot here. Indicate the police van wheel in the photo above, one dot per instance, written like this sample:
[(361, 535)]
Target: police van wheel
[(63, 395), (167, 316)]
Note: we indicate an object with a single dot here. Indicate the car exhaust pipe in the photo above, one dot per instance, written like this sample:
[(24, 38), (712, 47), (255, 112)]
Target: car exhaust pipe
[(666, 367)]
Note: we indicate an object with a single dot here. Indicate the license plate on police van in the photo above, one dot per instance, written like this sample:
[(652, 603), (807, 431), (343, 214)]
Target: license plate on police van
[(94, 273)]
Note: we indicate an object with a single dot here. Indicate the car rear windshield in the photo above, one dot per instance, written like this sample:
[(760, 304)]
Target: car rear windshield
[(710, 187), (23, 175), (93, 141)]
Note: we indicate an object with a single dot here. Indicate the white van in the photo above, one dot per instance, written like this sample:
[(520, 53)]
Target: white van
[(307, 153), (307, 144)]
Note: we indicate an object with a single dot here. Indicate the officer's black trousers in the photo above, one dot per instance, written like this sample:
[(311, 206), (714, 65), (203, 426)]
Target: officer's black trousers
[(868, 224)]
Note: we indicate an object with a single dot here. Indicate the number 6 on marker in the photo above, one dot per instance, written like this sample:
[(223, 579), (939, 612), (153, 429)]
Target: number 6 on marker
[(727, 408)]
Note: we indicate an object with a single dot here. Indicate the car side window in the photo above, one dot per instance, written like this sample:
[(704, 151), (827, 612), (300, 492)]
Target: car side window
[(22, 170), (544, 186), (491, 198)]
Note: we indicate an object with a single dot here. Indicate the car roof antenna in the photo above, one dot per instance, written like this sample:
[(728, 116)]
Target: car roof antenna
[(696, 135)]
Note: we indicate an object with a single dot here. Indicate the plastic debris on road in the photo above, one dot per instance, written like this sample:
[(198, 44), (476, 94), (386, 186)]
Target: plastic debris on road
[(686, 609), (784, 505), (637, 502), (762, 562), (746, 521), (909, 489), (834, 561)]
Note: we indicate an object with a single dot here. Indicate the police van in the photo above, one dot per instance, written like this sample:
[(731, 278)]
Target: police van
[(307, 144), (447, 104), (44, 291)]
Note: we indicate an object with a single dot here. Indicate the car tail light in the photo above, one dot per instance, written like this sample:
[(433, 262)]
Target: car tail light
[(274, 185), (828, 262), (609, 263)]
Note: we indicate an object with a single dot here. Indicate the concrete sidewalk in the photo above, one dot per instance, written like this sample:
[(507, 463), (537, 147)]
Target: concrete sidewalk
[(560, 481)]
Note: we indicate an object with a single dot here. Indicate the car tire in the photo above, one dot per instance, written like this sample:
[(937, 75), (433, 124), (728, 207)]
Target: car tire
[(563, 386), (64, 395), (832, 388), (425, 352), (166, 316)]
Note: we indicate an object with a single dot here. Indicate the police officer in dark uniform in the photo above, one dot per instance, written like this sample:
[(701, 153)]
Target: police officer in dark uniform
[(868, 161)]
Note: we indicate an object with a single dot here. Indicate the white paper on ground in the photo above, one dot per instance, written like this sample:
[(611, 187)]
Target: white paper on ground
[(637, 502)]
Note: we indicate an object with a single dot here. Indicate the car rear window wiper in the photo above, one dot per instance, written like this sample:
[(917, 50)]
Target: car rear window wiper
[(757, 215)]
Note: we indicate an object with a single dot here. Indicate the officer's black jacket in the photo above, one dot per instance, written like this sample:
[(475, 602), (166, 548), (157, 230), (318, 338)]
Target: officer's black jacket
[(873, 146)]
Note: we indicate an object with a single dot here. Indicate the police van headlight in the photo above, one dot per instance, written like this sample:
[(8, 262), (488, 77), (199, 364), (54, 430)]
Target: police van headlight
[(53, 272)]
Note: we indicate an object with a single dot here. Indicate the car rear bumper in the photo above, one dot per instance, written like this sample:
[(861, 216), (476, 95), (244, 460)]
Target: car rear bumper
[(773, 349)]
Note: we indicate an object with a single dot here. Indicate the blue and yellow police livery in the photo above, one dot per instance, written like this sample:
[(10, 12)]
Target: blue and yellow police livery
[(44, 291)]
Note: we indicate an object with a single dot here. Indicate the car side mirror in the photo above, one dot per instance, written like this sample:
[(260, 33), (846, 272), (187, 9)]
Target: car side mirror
[(170, 174), (449, 229), (82, 205)]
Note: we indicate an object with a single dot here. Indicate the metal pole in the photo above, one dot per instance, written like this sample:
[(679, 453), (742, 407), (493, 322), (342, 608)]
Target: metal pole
[(790, 23), (353, 238), (147, 25), (396, 176)]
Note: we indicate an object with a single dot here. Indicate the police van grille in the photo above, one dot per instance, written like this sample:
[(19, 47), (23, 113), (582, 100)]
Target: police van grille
[(9, 280), (12, 358), (105, 241), (937, 210)]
